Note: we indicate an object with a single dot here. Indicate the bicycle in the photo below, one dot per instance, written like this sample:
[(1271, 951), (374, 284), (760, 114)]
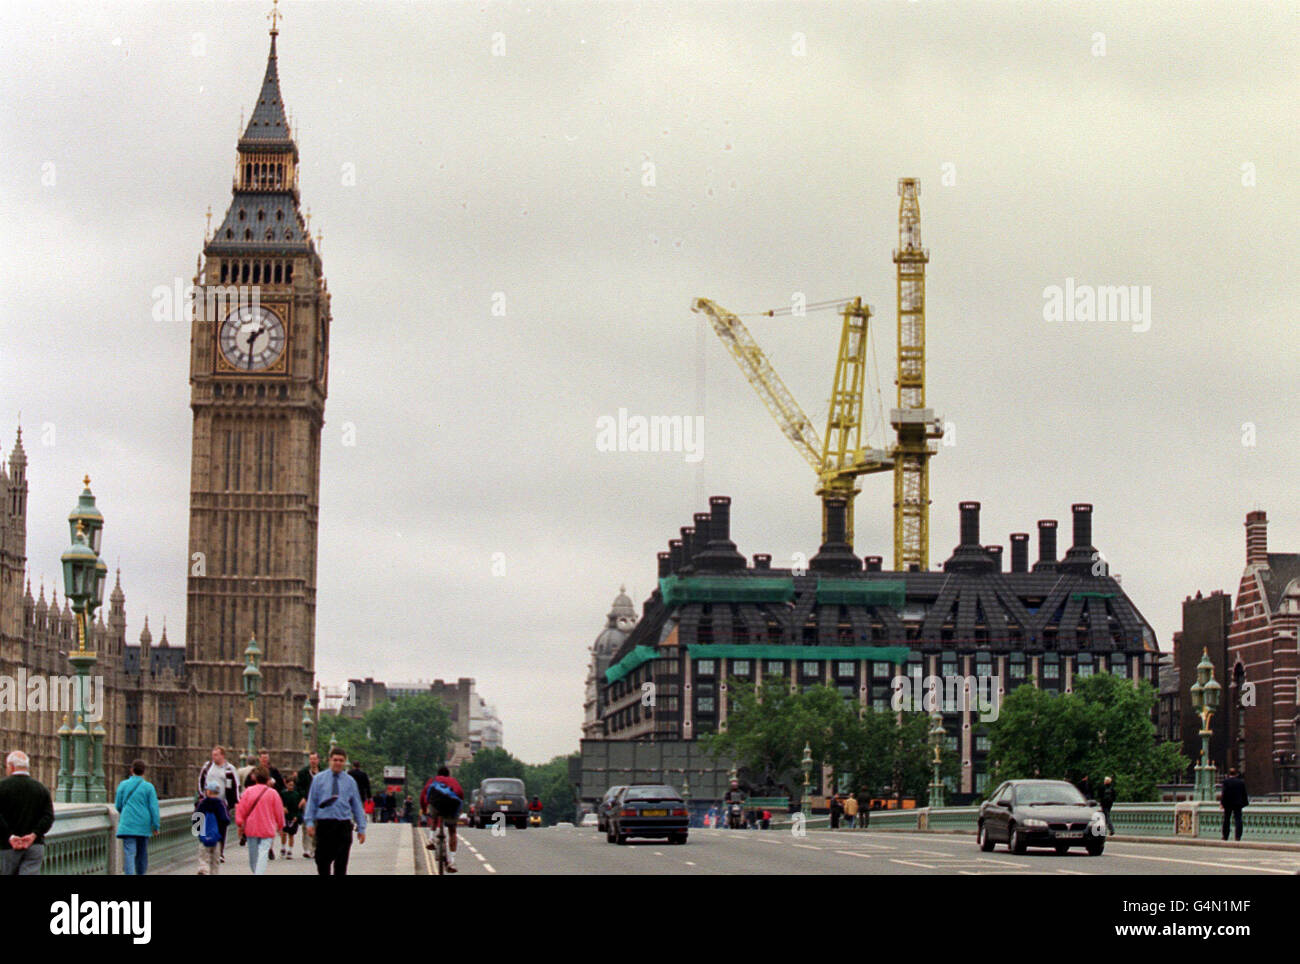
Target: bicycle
[(440, 843)]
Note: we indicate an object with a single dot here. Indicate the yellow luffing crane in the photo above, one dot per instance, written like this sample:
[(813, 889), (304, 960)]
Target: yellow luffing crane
[(840, 457)]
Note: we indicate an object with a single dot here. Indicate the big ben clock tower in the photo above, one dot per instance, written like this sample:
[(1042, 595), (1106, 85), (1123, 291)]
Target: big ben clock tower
[(259, 357)]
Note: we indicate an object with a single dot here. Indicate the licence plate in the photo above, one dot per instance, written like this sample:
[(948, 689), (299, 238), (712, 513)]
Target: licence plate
[(1069, 835), (654, 813), (503, 803)]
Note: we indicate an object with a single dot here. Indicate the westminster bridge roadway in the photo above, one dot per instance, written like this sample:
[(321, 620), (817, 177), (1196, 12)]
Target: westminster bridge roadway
[(393, 849)]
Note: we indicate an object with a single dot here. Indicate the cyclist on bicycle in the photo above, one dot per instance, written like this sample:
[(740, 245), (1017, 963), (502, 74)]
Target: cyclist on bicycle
[(444, 810)]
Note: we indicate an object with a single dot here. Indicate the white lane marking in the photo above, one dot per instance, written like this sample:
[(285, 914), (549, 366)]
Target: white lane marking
[(690, 863), (489, 868), (481, 858), (894, 860), (1204, 863), (804, 846), (854, 853)]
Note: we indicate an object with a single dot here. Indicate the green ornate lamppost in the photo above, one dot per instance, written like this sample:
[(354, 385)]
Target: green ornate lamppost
[(306, 729), (937, 736), (806, 805), (1206, 692), (252, 687), (81, 747)]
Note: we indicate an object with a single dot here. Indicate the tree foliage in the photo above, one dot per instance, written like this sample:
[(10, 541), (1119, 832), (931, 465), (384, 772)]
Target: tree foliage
[(767, 731), (1102, 729)]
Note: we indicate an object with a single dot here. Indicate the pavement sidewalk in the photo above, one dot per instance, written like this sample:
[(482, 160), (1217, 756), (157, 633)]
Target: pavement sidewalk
[(388, 850)]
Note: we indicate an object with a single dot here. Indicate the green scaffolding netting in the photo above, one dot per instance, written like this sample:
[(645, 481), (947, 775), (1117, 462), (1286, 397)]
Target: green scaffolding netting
[(856, 592), (630, 662), (725, 589)]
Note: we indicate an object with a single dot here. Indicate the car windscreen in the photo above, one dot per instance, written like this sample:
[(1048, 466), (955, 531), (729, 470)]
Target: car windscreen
[(1042, 794), (503, 786), (651, 793)]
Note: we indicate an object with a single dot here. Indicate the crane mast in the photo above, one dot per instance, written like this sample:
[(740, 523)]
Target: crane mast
[(913, 423)]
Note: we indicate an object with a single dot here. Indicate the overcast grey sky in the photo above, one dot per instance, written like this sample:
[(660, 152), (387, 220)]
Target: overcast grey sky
[(1113, 143)]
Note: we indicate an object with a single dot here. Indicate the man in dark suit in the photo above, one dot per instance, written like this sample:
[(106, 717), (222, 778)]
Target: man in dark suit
[(1233, 799), (26, 815)]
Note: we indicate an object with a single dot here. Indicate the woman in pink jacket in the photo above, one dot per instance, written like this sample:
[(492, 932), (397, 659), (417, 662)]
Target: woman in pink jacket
[(260, 814)]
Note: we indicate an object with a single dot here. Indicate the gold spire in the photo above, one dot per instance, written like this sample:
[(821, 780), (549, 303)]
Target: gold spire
[(274, 16), (87, 481)]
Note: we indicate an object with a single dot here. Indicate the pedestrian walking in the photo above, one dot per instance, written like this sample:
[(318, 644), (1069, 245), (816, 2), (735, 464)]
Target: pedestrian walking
[(136, 802), (294, 803), (1107, 800), (260, 814), (363, 781), (305, 776), (215, 818), (837, 810), (231, 783), (333, 803), (1233, 799), (851, 811), (26, 815)]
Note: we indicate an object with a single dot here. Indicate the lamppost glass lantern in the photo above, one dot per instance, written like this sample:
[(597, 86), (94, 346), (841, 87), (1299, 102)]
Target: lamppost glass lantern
[(79, 563), (937, 736), (85, 514), (252, 681)]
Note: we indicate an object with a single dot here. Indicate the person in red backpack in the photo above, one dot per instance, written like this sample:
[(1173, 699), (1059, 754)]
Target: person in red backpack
[(442, 808)]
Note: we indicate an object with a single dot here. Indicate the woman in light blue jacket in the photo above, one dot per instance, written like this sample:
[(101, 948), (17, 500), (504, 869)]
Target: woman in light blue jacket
[(138, 818)]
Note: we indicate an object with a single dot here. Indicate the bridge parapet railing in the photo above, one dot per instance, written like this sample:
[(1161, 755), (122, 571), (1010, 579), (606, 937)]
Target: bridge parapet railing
[(83, 839)]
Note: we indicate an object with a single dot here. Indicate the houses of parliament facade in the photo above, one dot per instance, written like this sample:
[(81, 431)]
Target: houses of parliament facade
[(258, 370)]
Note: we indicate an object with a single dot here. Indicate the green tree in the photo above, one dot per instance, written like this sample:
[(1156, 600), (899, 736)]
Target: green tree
[(767, 731), (550, 781), (413, 732), (896, 754), (1102, 729)]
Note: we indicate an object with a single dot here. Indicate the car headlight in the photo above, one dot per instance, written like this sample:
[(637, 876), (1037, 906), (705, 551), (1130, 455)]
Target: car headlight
[(1035, 823)]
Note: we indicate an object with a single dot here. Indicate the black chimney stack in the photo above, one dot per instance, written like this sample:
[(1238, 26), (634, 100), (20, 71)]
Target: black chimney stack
[(720, 552), (969, 556), (763, 560), (688, 547), (1046, 546), (677, 553), (1020, 552), (970, 523), (995, 553), (836, 555), (874, 563), (1082, 512), (703, 526), (1081, 556), (665, 564)]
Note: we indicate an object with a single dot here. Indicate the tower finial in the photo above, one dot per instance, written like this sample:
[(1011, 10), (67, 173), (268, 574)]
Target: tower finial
[(274, 16)]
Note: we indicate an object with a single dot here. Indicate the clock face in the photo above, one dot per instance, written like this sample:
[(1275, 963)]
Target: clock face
[(252, 338)]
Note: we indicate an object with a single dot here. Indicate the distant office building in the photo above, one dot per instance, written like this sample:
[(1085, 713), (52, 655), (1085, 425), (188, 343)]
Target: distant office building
[(1168, 713), (474, 724), (1265, 665), (620, 621), (1206, 623)]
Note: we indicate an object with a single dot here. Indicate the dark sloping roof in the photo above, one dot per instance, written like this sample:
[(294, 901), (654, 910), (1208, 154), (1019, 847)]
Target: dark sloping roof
[(268, 127), (1282, 568), (269, 222)]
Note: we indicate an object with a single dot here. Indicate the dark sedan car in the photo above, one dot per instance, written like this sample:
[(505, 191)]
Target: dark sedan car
[(1041, 813), (606, 804), (648, 811)]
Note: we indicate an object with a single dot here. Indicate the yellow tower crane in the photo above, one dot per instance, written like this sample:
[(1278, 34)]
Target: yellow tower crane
[(913, 423), (841, 457)]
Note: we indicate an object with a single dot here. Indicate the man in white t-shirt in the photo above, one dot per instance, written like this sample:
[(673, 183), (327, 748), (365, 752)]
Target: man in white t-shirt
[(230, 781)]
